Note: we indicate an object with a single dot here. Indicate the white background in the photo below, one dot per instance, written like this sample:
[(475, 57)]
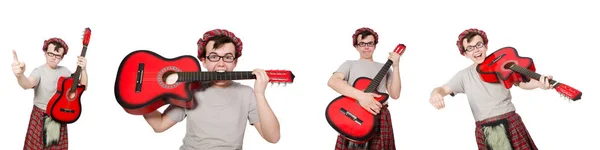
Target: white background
[(312, 39)]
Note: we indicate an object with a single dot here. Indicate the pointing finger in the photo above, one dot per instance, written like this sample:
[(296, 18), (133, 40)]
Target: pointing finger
[(15, 55)]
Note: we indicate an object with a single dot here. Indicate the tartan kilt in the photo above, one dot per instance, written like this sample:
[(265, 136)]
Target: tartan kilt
[(383, 139), (35, 136), (517, 132)]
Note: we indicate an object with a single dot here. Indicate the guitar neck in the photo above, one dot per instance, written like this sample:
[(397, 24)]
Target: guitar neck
[(375, 82), (78, 71), (210, 76), (530, 73)]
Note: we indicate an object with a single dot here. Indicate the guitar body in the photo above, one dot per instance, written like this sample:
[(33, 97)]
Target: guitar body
[(493, 69), (141, 86), (506, 66), (62, 107), (65, 104), (350, 119)]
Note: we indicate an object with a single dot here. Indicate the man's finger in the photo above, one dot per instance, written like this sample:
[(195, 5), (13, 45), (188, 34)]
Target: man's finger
[(371, 111), (15, 55)]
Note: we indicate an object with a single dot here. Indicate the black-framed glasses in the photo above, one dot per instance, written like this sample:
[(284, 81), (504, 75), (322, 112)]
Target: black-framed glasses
[(215, 58), (57, 56), (363, 44), (471, 48)]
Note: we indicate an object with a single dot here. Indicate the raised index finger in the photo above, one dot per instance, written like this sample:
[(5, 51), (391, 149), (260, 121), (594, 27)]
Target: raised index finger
[(15, 55)]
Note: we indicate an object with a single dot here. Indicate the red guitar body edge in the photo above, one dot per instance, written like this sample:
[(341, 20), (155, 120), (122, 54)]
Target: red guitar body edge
[(347, 127), (60, 103), (492, 69), (154, 92)]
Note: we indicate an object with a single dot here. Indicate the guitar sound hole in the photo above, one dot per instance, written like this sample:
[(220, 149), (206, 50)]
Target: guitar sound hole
[(170, 78)]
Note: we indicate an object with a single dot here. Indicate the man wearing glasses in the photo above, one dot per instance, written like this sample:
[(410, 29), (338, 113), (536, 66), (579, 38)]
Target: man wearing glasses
[(498, 126), (219, 121), (365, 41), (43, 132)]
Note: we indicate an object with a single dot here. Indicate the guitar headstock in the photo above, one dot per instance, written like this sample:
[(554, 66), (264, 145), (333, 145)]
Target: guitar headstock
[(400, 49), (280, 76), (86, 36), (568, 92)]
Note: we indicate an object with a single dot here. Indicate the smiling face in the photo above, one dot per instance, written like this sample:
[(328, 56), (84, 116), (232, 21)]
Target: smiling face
[(475, 49), (54, 54)]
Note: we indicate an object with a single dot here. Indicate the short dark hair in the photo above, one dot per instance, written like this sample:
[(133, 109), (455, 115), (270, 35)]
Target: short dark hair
[(57, 46), (219, 40), (363, 35), (469, 37)]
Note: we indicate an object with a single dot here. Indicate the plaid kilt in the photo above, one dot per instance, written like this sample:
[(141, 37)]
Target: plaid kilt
[(35, 136), (383, 139), (517, 133)]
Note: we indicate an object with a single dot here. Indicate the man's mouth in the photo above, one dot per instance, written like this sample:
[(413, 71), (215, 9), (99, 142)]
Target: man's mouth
[(220, 71), (478, 55)]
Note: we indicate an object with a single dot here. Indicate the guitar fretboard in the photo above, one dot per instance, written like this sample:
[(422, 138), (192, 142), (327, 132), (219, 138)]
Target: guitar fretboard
[(375, 83), (528, 73), (209, 76)]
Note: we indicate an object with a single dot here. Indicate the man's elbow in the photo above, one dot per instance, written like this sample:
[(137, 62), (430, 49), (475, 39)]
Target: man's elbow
[(331, 83), (26, 87), (158, 130), (395, 96), (273, 139)]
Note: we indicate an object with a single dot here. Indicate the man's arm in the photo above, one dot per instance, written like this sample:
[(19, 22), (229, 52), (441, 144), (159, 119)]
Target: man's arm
[(84, 79), (337, 83), (394, 86), (267, 125), (161, 122), (27, 83), (442, 90)]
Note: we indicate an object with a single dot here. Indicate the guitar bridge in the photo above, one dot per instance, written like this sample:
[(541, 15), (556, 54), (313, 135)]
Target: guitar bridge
[(139, 79), (351, 116), (67, 110)]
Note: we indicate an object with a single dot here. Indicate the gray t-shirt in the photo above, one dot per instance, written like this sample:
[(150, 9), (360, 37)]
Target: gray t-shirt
[(47, 82), (354, 69), (486, 99), (219, 121)]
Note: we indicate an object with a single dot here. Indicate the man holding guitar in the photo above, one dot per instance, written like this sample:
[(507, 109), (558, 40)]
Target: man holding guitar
[(365, 41), (224, 107), (43, 132), (498, 126)]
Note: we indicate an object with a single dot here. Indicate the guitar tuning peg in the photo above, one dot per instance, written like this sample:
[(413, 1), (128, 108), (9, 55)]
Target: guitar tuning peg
[(284, 84), (278, 84)]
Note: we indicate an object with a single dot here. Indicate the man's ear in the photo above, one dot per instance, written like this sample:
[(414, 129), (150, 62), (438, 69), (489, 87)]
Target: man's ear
[(203, 61)]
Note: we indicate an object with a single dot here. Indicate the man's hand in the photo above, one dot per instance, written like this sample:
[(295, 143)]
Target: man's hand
[(544, 82), (81, 62), (368, 102), (17, 67), (395, 58), (261, 80), (437, 100)]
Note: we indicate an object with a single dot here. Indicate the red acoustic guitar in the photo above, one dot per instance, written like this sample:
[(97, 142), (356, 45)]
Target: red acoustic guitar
[(506, 66), (351, 120), (146, 81), (65, 105)]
